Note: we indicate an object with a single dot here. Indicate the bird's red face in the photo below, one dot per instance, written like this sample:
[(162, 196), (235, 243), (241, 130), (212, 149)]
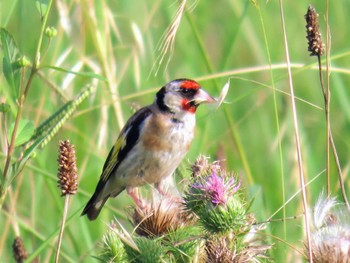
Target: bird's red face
[(193, 95), (182, 95)]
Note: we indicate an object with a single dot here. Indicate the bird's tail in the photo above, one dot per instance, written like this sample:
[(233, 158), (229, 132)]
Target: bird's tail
[(97, 201), (94, 206)]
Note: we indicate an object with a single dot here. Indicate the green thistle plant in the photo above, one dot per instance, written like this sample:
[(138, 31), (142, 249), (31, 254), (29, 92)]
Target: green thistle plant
[(214, 199), (149, 251), (112, 249), (184, 243), (211, 225)]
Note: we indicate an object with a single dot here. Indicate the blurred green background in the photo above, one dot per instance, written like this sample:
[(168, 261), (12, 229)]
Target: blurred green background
[(216, 41)]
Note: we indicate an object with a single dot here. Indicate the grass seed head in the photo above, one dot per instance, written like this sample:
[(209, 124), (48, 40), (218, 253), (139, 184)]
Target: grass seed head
[(315, 45), (67, 169), (19, 251)]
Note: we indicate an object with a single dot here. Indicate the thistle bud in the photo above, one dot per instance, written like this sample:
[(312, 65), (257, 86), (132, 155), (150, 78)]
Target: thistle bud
[(213, 197)]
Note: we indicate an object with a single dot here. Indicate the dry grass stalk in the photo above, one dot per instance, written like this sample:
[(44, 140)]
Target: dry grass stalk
[(167, 41), (296, 131)]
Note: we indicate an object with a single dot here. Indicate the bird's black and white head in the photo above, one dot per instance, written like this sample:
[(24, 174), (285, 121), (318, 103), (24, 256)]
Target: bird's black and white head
[(182, 96)]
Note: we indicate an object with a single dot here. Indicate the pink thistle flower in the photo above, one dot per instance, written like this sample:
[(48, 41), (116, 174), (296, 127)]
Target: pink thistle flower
[(215, 189)]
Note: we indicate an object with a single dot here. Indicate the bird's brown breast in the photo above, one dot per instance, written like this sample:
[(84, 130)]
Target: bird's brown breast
[(156, 134)]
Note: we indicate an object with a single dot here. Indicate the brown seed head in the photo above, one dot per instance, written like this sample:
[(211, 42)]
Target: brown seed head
[(313, 33), (217, 250), (67, 168), (227, 250), (19, 251), (160, 218)]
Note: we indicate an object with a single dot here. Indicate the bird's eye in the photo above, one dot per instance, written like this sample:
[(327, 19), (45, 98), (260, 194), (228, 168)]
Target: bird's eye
[(187, 92)]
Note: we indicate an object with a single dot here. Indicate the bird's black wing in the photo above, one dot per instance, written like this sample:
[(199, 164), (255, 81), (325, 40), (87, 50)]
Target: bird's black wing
[(127, 139)]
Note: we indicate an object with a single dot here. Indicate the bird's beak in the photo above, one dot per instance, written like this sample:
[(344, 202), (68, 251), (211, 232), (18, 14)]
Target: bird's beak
[(203, 97)]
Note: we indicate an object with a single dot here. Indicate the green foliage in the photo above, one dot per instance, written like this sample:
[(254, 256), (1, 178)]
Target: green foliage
[(4, 107), (112, 249), (149, 251), (42, 6), (51, 125), (183, 243), (221, 219), (10, 66), (24, 132), (39, 138)]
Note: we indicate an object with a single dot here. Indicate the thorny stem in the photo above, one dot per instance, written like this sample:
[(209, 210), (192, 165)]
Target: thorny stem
[(66, 202), (23, 96), (297, 139)]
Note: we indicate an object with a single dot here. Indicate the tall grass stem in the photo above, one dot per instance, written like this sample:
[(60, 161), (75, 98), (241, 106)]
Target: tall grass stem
[(296, 131), (275, 107), (65, 211)]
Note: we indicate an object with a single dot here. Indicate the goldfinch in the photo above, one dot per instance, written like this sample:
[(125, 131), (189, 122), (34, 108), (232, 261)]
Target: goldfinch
[(151, 145)]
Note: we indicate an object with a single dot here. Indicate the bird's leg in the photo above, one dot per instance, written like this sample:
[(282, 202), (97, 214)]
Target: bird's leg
[(160, 189), (137, 200)]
